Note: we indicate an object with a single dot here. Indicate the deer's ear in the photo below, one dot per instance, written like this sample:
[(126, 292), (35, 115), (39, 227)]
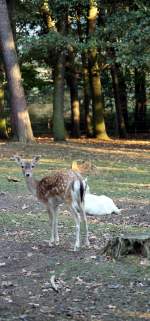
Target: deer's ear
[(36, 159), (16, 158)]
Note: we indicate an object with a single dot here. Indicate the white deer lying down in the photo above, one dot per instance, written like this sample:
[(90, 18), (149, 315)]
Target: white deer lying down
[(66, 187), (99, 205)]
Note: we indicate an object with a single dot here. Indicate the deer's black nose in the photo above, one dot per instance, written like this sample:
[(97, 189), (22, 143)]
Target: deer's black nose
[(27, 175)]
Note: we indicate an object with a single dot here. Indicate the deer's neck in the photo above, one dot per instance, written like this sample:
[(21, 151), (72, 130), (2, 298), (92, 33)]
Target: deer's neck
[(32, 184)]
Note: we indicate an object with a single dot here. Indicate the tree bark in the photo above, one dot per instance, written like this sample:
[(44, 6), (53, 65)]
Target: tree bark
[(46, 15), (140, 101), (72, 79), (87, 97), (120, 123), (59, 131), (85, 74), (20, 117), (58, 99), (95, 80), (11, 4), (123, 97), (127, 244)]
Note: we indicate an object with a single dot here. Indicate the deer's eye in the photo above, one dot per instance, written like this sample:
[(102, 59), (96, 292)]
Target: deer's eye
[(22, 166), (32, 166)]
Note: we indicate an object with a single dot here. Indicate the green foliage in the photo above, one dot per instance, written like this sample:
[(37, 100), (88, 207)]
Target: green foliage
[(130, 31), (122, 26), (31, 77)]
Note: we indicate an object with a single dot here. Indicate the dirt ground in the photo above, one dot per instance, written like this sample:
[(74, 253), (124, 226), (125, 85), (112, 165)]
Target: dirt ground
[(90, 286)]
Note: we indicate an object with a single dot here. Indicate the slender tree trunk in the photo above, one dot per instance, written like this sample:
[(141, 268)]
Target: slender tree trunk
[(85, 74), (20, 114), (123, 97), (140, 101), (120, 123), (75, 108), (59, 131), (58, 99), (72, 80), (87, 97), (95, 80), (97, 100)]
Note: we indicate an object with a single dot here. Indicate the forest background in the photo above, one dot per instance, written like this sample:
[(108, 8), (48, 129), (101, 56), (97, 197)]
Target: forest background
[(72, 68)]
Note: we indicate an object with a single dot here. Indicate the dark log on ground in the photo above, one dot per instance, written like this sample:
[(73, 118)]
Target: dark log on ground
[(126, 244)]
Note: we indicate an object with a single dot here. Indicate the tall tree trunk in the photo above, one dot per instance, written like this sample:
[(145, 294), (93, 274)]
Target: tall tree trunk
[(75, 108), (75, 104), (120, 123), (20, 117), (123, 97), (58, 99), (87, 96), (59, 131), (85, 74), (95, 80), (140, 101)]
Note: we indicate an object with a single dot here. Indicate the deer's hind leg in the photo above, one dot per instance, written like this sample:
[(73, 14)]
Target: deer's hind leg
[(76, 217), (84, 220)]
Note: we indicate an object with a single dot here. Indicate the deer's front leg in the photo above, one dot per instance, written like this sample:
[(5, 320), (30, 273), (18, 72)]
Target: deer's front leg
[(56, 235), (51, 215)]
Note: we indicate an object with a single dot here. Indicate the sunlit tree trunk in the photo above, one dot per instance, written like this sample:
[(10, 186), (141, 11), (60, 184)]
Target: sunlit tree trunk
[(75, 108), (95, 80), (46, 15), (140, 101), (72, 80), (20, 117)]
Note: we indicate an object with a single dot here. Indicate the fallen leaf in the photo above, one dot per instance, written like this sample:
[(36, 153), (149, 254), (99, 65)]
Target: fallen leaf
[(53, 283), (45, 309), (13, 179), (24, 207)]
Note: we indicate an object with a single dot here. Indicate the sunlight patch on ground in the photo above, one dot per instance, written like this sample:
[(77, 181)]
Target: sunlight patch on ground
[(118, 169), (102, 150), (134, 314)]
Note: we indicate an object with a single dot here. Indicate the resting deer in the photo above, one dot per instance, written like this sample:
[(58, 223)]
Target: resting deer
[(66, 187)]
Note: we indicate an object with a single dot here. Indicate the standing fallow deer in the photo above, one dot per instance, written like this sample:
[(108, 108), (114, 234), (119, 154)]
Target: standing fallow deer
[(66, 187)]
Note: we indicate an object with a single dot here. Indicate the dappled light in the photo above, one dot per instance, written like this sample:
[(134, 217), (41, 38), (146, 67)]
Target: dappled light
[(137, 314)]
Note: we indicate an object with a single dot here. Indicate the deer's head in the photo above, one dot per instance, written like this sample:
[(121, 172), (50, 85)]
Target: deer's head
[(27, 166)]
